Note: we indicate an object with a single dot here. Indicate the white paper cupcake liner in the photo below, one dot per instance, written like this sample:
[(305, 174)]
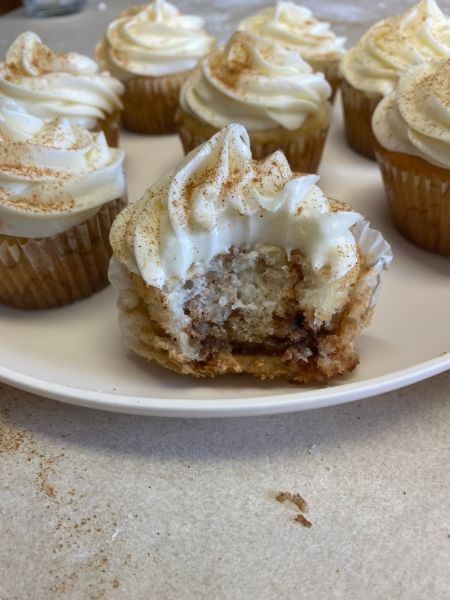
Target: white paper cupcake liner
[(419, 202), (47, 272), (358, 108), (377, 255)]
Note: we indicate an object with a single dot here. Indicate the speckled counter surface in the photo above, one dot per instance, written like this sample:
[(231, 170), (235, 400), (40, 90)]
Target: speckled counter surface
[(97, 506), (107, 506)]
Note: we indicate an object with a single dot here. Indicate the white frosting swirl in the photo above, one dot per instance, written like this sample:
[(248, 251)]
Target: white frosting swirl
[(57, 85), (154, 40), (254, 82), (415, 119), (219, 197), (295, 27), (390, 46), (53, 175)]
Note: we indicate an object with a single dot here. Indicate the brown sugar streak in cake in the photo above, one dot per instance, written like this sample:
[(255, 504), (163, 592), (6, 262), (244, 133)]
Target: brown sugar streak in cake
[(291, 349)]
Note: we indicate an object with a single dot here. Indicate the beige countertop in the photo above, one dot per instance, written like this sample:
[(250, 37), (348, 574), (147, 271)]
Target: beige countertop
[(103, 506), (95, 505)]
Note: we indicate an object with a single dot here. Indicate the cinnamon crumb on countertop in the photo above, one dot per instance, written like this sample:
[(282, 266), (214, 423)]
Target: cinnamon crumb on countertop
[(303, 521), (296, 499)]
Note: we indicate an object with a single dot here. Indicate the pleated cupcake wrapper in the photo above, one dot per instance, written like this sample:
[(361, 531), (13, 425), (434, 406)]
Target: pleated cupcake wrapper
[(419, 204), (377, 255), (376, 252), (331, 71), (110, 126), (52, 271), (119, 278), (302, 152), (359, 107), (150, 103)]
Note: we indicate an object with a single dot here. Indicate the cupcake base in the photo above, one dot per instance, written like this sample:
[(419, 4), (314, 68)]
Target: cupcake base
[(57, 270), (358, 108), (110, 126), (150, 103), (419, 198), (302, 147)]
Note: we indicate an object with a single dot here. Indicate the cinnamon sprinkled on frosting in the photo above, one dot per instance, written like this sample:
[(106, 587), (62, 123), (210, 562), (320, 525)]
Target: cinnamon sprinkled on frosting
[(218, 197), (153, 40), (294, 27), (49, 84), (421, 34), (52, 174), (415, 119), (256, 83)]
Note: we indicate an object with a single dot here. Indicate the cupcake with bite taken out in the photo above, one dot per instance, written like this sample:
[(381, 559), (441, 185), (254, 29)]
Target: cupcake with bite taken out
[(295, 28), (50, 84), (371, 69), (412, 131), (234, 265), (268, 89), (61, 187), (152, 49)]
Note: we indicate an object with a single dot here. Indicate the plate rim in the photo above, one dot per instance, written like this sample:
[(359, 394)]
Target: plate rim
[(228, 407)]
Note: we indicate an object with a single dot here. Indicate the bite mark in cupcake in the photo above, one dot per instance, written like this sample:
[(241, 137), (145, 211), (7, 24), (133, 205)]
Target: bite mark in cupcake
[(233, 265)]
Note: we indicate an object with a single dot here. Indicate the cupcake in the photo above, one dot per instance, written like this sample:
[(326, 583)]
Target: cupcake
[(268, 89), (232, 265), (371, 69), (294, 27), (152, 49), (70, 85), (61, 187), (412, 131)]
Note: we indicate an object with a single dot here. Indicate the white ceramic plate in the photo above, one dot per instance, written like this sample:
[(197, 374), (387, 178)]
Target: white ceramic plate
[(74, 354)]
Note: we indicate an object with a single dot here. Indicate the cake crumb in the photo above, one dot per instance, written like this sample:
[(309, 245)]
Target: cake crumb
[(303, 521), (296, 499)]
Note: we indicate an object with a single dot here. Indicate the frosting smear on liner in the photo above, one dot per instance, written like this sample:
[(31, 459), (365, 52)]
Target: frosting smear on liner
[(53, 175)]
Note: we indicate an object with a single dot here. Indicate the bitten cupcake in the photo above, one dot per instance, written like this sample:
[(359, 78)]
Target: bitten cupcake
[(60, 189), (49, 85), (412, 129), (152, 49), (294, 27), (370, 70), (268, 89), (232, 265)]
